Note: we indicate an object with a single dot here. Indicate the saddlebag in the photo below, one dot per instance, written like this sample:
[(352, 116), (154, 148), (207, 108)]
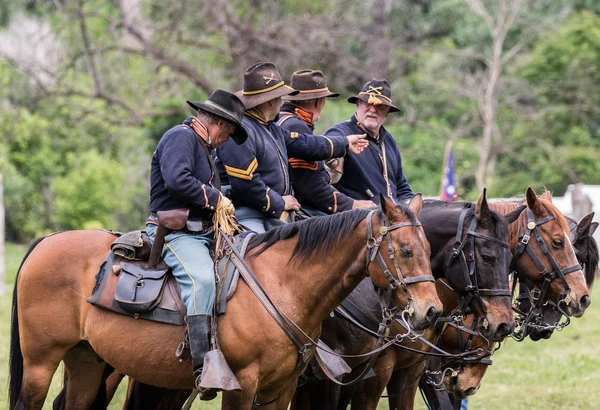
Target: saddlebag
[(139, 288)]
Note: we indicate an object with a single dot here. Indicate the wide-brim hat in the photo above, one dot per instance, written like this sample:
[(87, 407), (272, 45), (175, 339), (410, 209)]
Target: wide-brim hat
[(310, 84), (262, 83), (228, 107), (376, 92)]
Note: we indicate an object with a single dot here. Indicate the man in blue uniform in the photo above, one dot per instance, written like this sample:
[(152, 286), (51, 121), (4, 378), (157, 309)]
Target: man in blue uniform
[(183, 175), (379, 168), (257, 170), (310, 179)]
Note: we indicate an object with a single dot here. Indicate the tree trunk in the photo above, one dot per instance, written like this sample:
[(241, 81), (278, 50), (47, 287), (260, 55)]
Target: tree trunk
[(379, 44)]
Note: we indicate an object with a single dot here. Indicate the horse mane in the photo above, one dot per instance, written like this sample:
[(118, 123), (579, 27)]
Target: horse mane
[(318, 234), (593, 255), (500, 224)]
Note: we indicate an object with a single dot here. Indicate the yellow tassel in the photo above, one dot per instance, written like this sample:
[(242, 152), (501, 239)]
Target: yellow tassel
[(373, 100), (225, 222)]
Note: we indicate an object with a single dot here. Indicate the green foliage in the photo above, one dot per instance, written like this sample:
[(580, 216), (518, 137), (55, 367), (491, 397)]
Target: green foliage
[(88, 194)]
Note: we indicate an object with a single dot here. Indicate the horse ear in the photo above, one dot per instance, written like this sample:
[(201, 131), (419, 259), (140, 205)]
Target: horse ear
[(387, 206), (593, 227), (415, 203), (482, 211), (583, 227), (514, 215), (533, 202), (547, 196)]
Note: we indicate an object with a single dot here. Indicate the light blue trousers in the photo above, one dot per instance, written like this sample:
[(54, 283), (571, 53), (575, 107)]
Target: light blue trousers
[(188, 257), (251, 218)]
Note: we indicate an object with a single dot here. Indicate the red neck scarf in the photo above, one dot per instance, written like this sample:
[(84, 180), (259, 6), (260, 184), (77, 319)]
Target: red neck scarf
[(304, 115)]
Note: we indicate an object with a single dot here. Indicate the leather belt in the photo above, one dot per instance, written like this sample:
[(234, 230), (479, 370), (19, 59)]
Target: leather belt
[(192, 226)]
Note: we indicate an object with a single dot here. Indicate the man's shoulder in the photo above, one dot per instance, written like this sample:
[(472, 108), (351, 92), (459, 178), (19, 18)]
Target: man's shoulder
[(178, 133)]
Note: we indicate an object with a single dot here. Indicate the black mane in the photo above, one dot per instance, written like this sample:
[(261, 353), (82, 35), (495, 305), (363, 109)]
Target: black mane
[(500, 225), (316, 235)]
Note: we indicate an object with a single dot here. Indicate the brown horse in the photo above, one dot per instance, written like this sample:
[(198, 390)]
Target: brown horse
[(307, 268), (546, 257), (398, 366)]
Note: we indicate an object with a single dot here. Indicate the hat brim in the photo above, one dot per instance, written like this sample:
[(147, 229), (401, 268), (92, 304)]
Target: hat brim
[(239, 135), (364, 98), (253, 100), (305, 95)]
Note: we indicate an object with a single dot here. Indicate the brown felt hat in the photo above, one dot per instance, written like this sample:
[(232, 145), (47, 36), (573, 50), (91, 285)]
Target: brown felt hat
[(310, 84), (376, 92), (262, 83)]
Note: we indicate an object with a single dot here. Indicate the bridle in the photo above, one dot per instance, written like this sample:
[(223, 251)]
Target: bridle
[(453, 364), (373, 253), (535, 295), (472, 289)]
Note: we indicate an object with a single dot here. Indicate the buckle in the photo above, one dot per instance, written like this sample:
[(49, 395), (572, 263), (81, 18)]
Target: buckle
[(525, 239), (455, 253), (535, 293)]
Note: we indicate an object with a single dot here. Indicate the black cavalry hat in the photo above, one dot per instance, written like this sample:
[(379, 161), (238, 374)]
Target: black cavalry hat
[(376, 92), (228, 107), (262, 83), (311, 84)]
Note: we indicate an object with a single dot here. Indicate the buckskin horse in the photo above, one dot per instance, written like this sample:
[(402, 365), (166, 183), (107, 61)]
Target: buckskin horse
[(481, 234), (307, 268)]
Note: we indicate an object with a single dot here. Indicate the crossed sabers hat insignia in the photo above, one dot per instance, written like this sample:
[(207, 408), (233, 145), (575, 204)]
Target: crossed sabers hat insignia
[(269, 79), (375, 90)]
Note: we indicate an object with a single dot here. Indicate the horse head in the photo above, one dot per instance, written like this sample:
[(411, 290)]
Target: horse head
[(586, 250), (466, 376), (471, 253), (548, 260), (405, 253)]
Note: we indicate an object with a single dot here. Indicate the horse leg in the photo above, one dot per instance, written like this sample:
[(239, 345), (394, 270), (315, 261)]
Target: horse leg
[(37, 376), (242, 400), (368, 392), (85, 378), (401, 394), (112, 384)]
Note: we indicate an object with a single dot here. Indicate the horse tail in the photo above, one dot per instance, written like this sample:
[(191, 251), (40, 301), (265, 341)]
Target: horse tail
[(16, 356)]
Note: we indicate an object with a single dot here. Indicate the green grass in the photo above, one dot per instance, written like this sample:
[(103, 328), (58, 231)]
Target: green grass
[(560, 373)]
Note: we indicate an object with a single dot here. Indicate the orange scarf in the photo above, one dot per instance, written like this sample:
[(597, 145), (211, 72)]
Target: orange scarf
[(304, 115), (201, 130)]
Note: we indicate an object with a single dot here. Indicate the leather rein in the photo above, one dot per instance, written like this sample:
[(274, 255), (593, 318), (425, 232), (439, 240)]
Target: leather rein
[(537, 296), (303, 342)]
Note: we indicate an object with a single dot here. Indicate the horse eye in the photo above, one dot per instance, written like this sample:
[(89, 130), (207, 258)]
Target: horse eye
[(406, 252), (487, 258), (557, 243)]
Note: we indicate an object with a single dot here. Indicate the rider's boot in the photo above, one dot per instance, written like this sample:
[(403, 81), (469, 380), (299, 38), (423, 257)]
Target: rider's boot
[(199, 335)]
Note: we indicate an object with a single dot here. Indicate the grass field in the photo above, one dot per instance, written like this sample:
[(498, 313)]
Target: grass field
[(560, 373)]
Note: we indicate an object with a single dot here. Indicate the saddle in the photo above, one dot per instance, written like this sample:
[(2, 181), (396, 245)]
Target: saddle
[(133, 281)]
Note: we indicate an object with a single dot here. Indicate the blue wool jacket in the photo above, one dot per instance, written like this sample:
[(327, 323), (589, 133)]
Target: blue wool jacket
[(257, 170), (181, 175), (311, 181), (365, 171)]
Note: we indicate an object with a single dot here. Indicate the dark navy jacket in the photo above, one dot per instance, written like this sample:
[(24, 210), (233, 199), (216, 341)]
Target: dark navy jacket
[(181, 175), (310, 179), (258, 171), (365, 171)]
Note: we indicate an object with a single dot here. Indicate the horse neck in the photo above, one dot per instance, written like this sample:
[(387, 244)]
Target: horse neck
[(322, 282), (439, 234), (513, 228)]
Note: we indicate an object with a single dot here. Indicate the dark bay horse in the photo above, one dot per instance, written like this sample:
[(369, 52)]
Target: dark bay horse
[(441, 223), (307, 268)]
